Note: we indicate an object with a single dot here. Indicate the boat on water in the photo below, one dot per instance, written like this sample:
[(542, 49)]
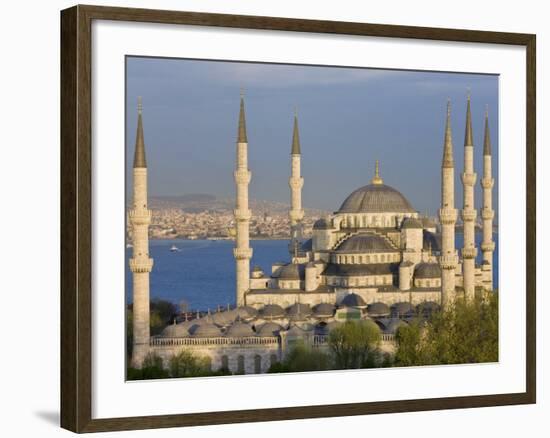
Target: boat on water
[(174, 248)]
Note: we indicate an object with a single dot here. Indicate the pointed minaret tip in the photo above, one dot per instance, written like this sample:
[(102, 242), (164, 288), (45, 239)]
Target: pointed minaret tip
[(468, 135), (377, 179), (139, 153), (448, 142), (241, 136), (487, 137), (296, 149)]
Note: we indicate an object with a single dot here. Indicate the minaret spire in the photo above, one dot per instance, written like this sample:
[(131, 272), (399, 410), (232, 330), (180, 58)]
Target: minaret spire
[(242, 251), (487, 213), (447, 217), (377, 179), (469, 213), (140, 263), (295, 182)]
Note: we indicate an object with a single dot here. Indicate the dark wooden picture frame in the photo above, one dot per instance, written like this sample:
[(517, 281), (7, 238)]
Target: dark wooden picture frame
[(76, 217)]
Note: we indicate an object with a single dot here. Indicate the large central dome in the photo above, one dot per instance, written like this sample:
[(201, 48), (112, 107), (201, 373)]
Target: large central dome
[(376, 198)]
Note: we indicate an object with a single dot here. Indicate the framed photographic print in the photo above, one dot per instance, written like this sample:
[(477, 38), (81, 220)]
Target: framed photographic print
[(304, 218)]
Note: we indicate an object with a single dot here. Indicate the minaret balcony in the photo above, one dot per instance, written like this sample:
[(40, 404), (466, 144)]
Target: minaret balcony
[(487, 214), (140, 217), (140, 265), (296, 183), (242, 176), (487, 246), (242, 253), (447, 216), (469, 215), (448, 261), (242, 214), (469, 179), (487, 183), (469, 253)]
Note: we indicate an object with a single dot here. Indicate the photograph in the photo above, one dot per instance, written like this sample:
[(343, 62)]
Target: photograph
[(285, 218)]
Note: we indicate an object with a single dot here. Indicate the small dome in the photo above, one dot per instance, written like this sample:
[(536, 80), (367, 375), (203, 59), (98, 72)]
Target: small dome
[(272, 311), (246, 312), (269, 329), (378, 309), (353, 300), (365, 242), (322, 224), (180, 330), (427, 270), (323, 310), (206, 330), (256, 269), (291, 271), (298, 310), (411, 222), (224, 318), (376, 198), (403, 308), (240, 329)]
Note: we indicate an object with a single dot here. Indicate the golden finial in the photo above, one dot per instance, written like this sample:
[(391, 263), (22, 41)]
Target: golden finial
[(377, 179), (140, 105)]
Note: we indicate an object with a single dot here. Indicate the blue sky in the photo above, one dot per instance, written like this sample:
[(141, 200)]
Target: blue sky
[(348, 118)]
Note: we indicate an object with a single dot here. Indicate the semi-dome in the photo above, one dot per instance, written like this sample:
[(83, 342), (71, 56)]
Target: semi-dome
[(365, 242), (269, 329), (353, 300), (240, 329), (376, 198), (272, 311), (427, 270)]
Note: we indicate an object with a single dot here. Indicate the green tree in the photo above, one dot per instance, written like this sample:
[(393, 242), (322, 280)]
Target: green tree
[(466, 333), (302, 358), (353, 342), (151, 368), (186, 364)]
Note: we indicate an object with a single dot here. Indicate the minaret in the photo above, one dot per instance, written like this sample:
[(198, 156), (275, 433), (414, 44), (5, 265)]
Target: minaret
[(140, 263), (296, 182), (487, 213), (469, 213), (242, 250), (447, 217)]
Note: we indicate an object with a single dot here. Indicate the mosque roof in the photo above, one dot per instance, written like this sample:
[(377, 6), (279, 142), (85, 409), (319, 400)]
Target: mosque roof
[(269, 329), (402, 308), (376, 198), (378, 309), (411, 222), (427, 270), (298, 310), (205, 330), (291, 271), (353, 300), (323, 310), (272, 311), (246, 312), (179, 330), (360, 269), (240, 329), (365, 242), (322, 224)]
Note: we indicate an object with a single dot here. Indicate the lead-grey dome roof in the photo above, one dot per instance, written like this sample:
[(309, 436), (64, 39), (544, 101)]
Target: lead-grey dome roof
[(376, 198), (291, 271), (299, 310), (322, 224), (206, 330), (240, 329), (378, 309), (272, 311), (323, 310), (269, 329), (411, 222), (353, 300), (365, 242), (427, 270)]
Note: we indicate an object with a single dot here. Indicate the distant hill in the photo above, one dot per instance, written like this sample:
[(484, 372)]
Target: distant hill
[(198, 202)]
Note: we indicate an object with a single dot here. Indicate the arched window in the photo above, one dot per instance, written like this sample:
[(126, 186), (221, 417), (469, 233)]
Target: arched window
[(257, 364), (240, 364)]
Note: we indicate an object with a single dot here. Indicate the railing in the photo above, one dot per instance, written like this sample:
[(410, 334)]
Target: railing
[(320, 340), (387, 337), (247, 340)]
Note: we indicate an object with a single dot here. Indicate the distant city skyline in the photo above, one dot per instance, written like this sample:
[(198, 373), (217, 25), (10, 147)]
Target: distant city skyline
[(348, 118)]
